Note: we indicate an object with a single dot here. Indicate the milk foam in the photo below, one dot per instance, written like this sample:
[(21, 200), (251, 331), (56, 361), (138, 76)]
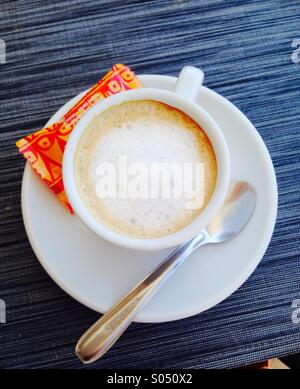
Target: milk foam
[(145, 132)]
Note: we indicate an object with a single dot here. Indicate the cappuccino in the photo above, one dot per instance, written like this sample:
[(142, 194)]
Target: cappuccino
[(129, 164)]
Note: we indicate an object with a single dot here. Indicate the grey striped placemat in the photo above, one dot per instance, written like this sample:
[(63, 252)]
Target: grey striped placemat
[(55, 49)]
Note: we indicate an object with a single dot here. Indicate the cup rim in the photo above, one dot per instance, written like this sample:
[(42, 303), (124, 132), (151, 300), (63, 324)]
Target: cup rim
[(198, 114)]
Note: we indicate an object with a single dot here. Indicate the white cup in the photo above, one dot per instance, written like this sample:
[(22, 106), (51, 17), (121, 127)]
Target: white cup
[(183, 98)]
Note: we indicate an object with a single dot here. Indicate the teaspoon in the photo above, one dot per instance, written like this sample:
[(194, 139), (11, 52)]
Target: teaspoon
[(229, 221)]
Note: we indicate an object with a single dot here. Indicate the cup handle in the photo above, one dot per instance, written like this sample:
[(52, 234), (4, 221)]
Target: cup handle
[(189, 81)]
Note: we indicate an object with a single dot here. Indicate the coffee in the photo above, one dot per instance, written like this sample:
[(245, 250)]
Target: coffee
[(136, 137)]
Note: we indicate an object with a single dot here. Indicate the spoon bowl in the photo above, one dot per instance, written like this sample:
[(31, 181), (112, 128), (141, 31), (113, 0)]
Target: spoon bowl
[(234, 214)]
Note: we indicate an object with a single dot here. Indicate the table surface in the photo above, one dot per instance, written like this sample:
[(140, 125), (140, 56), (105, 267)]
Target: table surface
[(55, 49)]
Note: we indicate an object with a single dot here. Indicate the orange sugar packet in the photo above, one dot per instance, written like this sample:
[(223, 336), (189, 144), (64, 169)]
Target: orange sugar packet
[(44, 149)]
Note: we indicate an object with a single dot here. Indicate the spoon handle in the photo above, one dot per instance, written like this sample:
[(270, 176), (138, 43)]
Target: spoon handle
[(106, 331)]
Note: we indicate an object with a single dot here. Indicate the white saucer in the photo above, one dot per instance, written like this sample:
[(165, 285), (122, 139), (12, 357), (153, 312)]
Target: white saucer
[(97, 274)]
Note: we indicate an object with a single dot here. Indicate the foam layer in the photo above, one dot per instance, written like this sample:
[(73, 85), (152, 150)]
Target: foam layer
[(143, 132)]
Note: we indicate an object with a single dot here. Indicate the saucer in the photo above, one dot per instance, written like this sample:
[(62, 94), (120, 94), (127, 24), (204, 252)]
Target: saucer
[(97, 273)]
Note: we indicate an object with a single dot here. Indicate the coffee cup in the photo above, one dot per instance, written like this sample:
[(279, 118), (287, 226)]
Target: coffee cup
[(179, 103)]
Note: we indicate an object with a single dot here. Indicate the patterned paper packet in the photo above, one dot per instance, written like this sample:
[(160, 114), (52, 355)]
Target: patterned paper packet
[(44, 149)]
